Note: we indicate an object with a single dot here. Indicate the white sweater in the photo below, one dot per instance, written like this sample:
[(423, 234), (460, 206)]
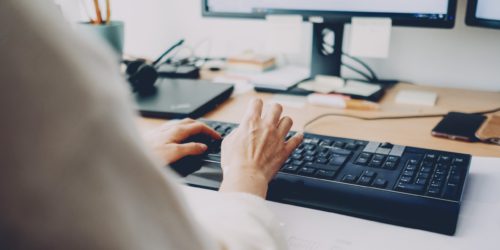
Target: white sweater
[(74, 173)]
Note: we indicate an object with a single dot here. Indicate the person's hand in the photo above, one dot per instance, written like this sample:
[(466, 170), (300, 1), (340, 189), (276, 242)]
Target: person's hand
[(167, 140), (254, 152)]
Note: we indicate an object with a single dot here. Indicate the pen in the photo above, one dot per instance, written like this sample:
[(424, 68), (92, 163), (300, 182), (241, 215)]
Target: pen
[(340, 101), (108, 11)]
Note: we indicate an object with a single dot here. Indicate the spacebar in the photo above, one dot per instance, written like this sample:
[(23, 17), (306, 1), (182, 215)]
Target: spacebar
[(212, 157)]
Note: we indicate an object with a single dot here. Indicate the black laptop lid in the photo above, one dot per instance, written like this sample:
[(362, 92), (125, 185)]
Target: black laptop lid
[(180, 98)]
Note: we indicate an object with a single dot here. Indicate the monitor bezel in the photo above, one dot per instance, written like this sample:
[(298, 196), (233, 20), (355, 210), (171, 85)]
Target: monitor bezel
[(472, 20), (345, 17)]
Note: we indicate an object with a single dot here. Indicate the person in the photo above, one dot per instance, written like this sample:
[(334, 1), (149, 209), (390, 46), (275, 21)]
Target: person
[(76, 174)]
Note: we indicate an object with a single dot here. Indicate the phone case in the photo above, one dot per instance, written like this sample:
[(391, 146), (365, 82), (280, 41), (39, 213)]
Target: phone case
[(490, 130)]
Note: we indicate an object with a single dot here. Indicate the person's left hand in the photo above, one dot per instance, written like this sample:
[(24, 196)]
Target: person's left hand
[(167, 140)]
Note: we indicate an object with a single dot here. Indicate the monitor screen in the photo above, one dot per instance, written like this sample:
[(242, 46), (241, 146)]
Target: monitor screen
[(438, 13), (483, 13)]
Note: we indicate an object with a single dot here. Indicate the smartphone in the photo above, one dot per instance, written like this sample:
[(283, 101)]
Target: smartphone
[(459, 126)]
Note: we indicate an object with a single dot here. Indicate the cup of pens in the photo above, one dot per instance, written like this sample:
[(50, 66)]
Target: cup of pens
[(112, 32)]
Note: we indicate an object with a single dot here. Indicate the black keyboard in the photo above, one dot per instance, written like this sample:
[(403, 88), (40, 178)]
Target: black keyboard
[(406, 186)]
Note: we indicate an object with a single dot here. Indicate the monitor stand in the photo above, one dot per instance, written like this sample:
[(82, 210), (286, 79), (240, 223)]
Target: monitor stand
[(327, 48)]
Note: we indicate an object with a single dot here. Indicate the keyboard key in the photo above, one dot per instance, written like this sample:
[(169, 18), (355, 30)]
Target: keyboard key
[(323, 174), (351, 146), (423, 175), (338, 160), (380, 183), (340, 151), (339, 144), (365, 181), (408, 173), (350, 178), (298, 163), (450, 191), (369, 173), (307, 171), (311, 152), (322, 167), (389, 165), (309, 158), (299, 151), (458, 161), (405, 179), (430, 157), (413, 162), (410, 188), (394, 159), (290, 168), (375, 163), (426, 169), (297, 157), (421, 181), (434, 192), (444, 159), (310, 147), (411, 167), (379, 157), (361, 161), (323, 155), (322, 161), (325, 142)]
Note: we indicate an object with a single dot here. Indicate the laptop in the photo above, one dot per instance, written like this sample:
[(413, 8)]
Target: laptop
[(182, 98)]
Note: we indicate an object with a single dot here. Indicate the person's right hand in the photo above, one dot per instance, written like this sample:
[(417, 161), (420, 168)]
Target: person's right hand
[(254, 152)]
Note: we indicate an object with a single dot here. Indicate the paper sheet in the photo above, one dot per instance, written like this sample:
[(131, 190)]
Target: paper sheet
[(478, 226), (370, 37), (284, 34)]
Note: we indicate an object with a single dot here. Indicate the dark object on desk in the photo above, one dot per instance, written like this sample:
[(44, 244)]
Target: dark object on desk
[(295, 90), (459, 126), (292, 91), (142, 76), (177, 98), (407, 186), (179, 71)]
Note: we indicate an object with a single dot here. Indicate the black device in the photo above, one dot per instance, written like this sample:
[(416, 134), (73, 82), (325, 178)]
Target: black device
[(327, 54), (483, 13), (180, 98), (459, 126), (407, 186), (142, 76)]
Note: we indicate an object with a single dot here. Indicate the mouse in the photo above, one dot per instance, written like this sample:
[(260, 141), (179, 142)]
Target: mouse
[(191, 164)]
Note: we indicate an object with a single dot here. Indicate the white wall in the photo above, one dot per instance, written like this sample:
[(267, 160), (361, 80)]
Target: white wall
[(463, 57)]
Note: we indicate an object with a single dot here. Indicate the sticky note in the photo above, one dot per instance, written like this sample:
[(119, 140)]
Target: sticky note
[(370, 37), (284, 34)]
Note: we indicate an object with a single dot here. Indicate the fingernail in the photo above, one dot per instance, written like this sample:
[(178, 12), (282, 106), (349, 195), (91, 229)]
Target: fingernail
[(203, 146)]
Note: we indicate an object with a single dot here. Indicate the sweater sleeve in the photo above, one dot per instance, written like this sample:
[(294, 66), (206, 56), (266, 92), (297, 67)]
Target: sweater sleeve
[(75, 173)]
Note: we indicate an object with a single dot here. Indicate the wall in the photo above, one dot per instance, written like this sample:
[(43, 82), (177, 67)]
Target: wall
[(463, 57)]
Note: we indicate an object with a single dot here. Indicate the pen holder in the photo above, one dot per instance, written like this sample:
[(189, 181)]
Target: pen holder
[(112, 33)]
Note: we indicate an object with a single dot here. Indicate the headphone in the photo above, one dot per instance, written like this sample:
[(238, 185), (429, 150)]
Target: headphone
[(142, 76)]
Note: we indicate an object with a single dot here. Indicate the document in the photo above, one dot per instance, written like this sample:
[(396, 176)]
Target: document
[(478, 225)]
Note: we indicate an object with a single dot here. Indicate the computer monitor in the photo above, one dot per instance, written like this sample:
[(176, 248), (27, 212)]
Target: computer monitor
[(483, 13), (334, 14)]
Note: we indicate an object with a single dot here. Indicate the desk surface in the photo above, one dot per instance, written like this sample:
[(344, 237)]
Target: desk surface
[(410, 132)]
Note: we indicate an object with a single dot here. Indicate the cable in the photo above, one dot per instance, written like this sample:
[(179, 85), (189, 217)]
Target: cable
[(389, 117), (372, 73), (367, 77), (179, 43)]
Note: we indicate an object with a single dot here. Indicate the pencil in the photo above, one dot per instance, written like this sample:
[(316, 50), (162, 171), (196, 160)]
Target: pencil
[(108, 11), (98, 12)]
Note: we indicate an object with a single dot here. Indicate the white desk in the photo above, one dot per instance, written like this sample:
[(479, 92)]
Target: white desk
[(478, 226)]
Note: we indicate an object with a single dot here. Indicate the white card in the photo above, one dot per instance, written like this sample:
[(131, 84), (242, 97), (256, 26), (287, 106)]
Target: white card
[(370, 37)]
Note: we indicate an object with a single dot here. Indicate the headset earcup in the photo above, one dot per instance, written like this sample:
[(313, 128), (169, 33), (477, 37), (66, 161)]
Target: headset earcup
[(144, 79), (133, 67)]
